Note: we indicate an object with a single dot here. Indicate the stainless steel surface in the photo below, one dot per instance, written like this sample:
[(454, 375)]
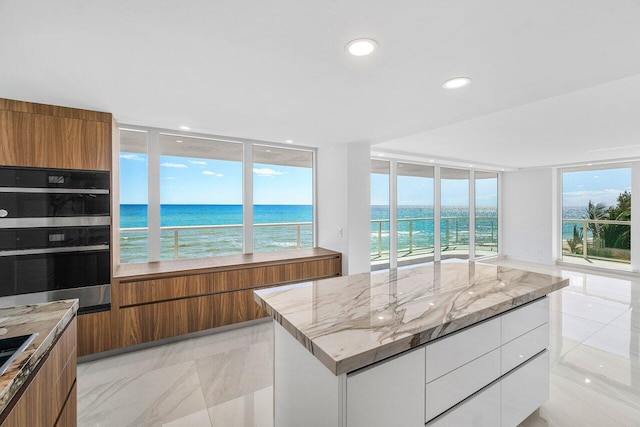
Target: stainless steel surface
[(88, 296), (52, 190), (54, 250), (79, 221), (17, 352)]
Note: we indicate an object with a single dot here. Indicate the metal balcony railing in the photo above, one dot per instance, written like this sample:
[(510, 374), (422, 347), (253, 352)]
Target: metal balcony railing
[(590, 241), (184, 228), (454, 233)]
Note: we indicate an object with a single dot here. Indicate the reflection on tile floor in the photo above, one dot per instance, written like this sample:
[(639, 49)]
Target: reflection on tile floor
[(222, 379), (225, 379)]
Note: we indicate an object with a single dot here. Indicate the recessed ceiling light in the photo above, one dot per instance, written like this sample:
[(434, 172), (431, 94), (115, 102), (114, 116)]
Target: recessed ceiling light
[(502, 170), (361, 47), (185, 128), (431, 161), (589, 164), (456, 83), (288, 141), (178, 140), (470, 166), (268, 151)]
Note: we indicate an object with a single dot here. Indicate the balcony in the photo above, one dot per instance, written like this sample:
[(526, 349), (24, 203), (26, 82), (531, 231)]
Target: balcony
[(184, 242), (415, 238), (601, 243)]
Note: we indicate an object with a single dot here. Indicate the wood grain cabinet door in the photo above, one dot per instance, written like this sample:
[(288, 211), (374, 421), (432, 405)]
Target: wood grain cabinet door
[(36, 140)]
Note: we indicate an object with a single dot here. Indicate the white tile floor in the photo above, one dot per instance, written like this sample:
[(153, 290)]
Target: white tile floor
[(225, 379)]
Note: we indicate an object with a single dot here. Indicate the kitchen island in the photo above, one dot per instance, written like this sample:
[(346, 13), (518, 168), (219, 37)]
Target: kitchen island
[(39, 387), (450, 343)]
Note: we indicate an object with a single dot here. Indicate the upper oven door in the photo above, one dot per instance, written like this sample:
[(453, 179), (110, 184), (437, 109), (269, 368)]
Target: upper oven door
[(14, 177), (43, 204)]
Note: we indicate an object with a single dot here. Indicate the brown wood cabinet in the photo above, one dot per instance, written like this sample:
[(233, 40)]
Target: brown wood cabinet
[(49, 396), (154, 305), (37, 135), (94, 333)]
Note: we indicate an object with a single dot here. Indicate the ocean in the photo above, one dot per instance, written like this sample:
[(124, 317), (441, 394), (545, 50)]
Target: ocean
[(197, 243)]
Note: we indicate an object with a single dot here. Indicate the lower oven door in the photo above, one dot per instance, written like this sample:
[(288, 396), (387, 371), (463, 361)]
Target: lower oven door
[(51, 276)]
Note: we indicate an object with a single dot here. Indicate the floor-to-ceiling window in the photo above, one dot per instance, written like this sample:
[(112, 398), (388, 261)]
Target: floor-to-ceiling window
[(596, 216), (282, 198), (380, 213), (454, 213), (458, 205), (486, 213), (415, 195)]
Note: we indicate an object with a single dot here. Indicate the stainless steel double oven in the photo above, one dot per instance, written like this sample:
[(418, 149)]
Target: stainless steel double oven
[(54, 236)]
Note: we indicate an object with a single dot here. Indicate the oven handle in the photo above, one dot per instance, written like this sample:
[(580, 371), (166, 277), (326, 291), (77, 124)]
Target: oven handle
[(53, 190), (19, 252), (60, 221)]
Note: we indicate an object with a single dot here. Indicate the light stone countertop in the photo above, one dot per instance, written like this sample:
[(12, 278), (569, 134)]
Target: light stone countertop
[(353, 321), (49, 320)]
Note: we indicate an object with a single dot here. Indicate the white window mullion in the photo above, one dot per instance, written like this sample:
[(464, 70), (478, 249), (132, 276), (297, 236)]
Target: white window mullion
[(472, 215), (436, 213), (393, 214), (635, 215), (247, 198), (153, 213)]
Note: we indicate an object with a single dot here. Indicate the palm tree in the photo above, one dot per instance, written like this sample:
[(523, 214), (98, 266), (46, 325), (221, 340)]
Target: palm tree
[(596, 212), (574, 242)]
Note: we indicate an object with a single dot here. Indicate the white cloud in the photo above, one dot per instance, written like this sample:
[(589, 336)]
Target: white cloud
[(171, 177), (267, 172), (582, 197), (173, 165), (131, 156), (211, 173), (197, 162)]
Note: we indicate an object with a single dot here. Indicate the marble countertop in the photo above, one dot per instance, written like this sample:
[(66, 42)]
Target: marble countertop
[(49, 320), (353, 321)]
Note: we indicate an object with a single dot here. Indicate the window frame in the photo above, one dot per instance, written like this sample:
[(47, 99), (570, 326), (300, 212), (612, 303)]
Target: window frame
[(153, 195), (393, 206)]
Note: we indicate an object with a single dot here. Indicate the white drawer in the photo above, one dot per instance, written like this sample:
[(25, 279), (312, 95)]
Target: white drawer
[(524, 319), (524, 390), (481, 410), (523, 348), (462, 347), (388, 394), (446, 391)]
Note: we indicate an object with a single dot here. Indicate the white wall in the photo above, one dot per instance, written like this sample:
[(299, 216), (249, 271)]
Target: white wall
[(343, 197), (528, 215)]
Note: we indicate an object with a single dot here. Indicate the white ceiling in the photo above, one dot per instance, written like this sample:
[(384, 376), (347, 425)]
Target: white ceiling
[(550, 77)]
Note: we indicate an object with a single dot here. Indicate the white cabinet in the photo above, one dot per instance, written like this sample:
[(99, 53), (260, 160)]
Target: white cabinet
[(495, 373), (449, 389), (390, 393), (482, 410), (524, 347), (524, 390), (462, 347), (524, 319)]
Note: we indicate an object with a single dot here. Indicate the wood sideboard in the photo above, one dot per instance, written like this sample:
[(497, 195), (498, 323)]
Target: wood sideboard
[(153, 301)]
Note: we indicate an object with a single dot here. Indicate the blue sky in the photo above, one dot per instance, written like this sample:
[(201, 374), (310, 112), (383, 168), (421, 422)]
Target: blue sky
[(419, 191), (204, 181), (599, 186)]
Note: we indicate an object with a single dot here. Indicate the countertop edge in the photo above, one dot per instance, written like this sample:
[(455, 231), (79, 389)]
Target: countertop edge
[(31, 360)]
